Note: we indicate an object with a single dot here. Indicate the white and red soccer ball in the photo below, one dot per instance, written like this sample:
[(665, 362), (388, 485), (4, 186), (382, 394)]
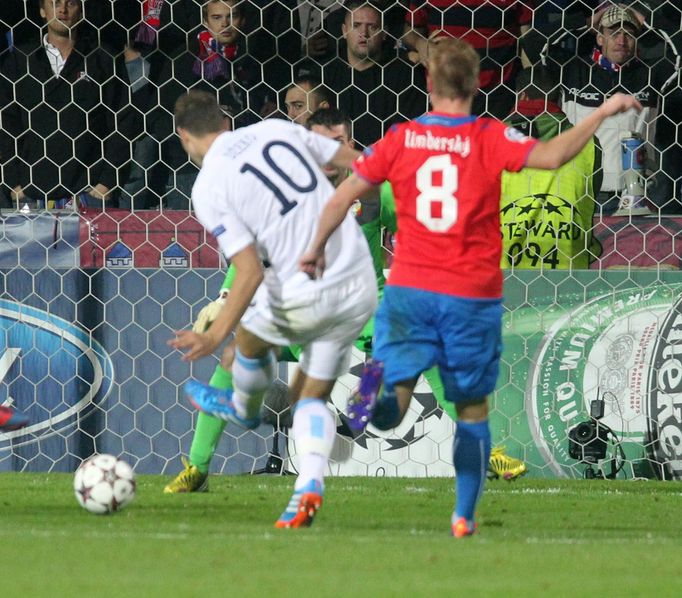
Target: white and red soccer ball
[(104, 484)]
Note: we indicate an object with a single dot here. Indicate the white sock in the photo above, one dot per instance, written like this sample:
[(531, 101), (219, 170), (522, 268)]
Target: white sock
[(251, 378), (314, 431)]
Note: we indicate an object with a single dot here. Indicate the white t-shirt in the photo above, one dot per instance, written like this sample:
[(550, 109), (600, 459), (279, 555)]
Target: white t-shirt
[(261, 184)]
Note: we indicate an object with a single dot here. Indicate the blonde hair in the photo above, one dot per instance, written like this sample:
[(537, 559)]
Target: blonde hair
[(454, 66)]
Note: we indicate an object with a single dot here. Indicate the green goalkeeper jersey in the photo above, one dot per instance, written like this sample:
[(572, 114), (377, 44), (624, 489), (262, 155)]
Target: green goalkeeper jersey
[(373, 218)]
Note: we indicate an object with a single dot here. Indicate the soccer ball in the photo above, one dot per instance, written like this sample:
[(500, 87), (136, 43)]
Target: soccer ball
[(104, 484)]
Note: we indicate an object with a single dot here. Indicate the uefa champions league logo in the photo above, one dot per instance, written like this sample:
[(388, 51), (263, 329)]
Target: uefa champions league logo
[(420, 446)]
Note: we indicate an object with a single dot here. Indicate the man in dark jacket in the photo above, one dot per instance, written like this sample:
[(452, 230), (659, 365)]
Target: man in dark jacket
[(62, 100), (218, 63), (376, 87)]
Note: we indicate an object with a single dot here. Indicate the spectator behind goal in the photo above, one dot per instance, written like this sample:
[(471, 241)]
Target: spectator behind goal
[(492, 27), (613, 66), (63, 113), (375, 85), (217, 61), (546, 215)]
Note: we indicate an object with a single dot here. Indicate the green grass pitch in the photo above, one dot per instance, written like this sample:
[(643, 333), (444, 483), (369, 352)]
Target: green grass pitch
[(372, 537)]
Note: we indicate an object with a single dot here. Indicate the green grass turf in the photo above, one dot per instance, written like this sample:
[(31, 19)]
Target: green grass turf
[(373, 537)]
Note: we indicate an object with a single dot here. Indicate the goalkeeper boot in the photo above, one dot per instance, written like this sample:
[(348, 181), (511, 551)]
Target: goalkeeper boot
[(302, 507), (217, 403), (462, 529), (189, 479), (363, 401), (11, 419), (503, 466)]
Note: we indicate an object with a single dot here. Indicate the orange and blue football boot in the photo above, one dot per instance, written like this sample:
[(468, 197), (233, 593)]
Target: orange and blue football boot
[(302, 507), (461, 529)]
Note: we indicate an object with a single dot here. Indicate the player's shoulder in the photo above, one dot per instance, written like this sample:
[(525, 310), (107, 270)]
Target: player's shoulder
[(399, 128), (392, 136), (279, 129), (271, 125)]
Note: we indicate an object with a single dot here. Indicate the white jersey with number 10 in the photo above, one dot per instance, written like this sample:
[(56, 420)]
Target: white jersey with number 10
[(262, 184)]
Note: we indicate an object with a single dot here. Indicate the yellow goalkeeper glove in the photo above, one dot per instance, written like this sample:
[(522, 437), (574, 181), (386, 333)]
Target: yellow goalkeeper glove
[(209, 313)]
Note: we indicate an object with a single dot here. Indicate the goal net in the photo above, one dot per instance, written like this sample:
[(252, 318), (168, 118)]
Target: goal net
[(101, 258)]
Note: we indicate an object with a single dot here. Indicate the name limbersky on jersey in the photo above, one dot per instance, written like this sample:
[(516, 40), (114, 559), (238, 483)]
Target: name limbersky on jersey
[(456, 145)]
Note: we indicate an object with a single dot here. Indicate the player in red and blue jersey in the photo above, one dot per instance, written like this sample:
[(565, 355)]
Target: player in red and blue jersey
[(442, 303)]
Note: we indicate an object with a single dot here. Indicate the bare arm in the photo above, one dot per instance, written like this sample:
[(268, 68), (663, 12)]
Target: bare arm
[(249, 275), (556, 152), (413, 38), (312, 262)]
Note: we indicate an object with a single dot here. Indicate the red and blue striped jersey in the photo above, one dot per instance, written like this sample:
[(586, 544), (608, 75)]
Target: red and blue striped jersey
[(492, 27)]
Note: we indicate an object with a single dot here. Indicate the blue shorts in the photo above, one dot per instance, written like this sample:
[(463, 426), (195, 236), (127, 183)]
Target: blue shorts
[(415, 330)]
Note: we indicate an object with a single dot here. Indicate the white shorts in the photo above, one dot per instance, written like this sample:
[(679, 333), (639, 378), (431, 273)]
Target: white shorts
[(325, 323)]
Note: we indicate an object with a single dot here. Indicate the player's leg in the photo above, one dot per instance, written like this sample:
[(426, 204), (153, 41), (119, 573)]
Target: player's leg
[(432, 377), (471, 332), (253, 371), (471, 451), (313, 431), (404, 346), (333, 321), (194, 477), (500, 465), (11, 419), (209, 429)]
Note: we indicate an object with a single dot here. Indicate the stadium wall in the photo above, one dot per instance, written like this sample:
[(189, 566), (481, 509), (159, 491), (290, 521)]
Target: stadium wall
[(86, 357)]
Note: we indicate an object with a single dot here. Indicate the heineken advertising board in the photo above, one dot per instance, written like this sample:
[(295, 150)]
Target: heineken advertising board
[(572, 338)]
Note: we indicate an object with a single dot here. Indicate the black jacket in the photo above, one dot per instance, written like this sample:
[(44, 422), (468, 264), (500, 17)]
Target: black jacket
[(62, 134), (374, 99)]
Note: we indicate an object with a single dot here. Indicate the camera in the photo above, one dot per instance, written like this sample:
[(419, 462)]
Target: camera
[(587, 441)]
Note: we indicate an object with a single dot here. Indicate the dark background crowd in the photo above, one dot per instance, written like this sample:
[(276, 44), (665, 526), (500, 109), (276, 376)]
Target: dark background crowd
[(87, 87)]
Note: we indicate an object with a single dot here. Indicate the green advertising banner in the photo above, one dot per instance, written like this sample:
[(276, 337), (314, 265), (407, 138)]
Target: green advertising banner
[(574, 338)]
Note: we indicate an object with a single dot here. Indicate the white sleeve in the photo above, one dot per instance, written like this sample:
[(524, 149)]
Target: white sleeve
[(215, 213), (322, 148)]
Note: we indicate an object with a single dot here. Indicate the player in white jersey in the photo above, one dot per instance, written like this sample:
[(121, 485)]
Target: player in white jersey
[(260, 192)]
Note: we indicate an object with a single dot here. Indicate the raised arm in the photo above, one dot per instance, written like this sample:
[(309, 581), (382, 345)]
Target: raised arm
[(312, 262), (552, 154)]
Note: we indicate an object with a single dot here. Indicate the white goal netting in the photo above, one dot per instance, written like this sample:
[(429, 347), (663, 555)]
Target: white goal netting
[(101, 258)]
